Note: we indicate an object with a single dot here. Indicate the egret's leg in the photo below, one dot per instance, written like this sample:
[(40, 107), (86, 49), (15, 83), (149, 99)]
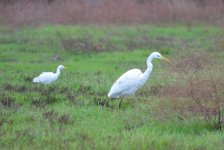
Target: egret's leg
[(121, 101), (142, 94), (134, 101)]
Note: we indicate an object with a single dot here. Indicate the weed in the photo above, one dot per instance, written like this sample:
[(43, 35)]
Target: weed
[(7, 101), (51, 116), (155, 90), (101, 101), (64, 119)]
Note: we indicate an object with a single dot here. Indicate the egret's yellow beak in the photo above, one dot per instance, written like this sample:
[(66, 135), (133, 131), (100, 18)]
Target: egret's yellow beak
[(66, 67), (165, 59)]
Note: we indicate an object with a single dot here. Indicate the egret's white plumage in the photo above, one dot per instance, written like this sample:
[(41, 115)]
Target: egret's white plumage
[(132, 80), (48, 77)]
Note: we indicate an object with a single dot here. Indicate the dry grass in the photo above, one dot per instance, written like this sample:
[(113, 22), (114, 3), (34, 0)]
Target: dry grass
[(31, 12), (200, 92)]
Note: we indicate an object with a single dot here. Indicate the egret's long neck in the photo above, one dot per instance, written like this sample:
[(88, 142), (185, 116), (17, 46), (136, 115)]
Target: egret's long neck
[(58, 72), (148, 71), (149, 61)]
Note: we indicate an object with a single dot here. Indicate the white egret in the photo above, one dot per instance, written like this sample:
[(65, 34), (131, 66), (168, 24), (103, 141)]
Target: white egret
[(48, 77), (128, 83)]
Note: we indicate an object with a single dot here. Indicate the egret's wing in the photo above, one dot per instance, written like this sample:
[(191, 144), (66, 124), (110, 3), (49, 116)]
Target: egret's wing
[(125, 82), (45, 77), (45, 72)]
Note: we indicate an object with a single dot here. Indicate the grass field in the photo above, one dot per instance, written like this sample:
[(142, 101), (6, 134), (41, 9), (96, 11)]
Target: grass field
[(75, 113)]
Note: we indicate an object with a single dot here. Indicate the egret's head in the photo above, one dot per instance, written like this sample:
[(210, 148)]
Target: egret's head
[(158, 55), (61, 67)]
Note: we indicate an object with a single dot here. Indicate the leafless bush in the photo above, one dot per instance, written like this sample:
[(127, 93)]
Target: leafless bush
[(192, 62), (201, 91)]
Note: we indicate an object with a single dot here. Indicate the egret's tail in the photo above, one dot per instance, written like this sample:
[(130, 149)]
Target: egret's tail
[(112, 95), (35, 80), (109, 94)]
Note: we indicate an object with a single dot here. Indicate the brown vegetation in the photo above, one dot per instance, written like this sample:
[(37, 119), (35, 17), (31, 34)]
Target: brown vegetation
[(200, 93), (38, 12)]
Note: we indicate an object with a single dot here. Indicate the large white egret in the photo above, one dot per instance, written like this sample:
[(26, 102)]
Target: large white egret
[(48, 77), (128, 83)]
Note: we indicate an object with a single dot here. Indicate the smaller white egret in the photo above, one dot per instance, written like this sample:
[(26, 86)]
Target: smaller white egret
[(48, 77), (132, 80)]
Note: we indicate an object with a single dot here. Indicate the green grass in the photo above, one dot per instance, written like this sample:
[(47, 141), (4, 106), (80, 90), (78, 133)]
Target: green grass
[(74, 112)]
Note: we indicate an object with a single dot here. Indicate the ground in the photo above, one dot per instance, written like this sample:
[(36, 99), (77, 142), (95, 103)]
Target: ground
[(75, 113)]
